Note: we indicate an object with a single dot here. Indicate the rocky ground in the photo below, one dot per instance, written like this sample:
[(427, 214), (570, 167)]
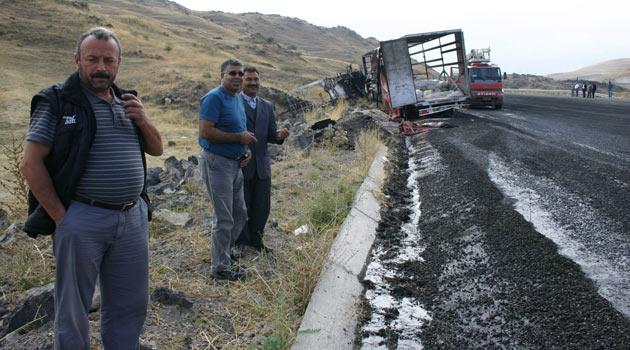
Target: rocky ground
[(188, 309)]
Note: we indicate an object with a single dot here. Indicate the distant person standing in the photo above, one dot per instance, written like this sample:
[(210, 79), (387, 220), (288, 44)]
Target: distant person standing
[(584, 90), (610, 89), (577, 89), (594, 89), (589, 90)]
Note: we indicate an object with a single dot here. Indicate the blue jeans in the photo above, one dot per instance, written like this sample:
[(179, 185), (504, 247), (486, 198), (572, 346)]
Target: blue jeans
[(223, 180), (92, 242)]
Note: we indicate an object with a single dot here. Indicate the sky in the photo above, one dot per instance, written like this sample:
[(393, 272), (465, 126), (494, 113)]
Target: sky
[(526, 36)]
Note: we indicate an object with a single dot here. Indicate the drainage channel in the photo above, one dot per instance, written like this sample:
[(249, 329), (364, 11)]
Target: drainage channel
[(401, 317)]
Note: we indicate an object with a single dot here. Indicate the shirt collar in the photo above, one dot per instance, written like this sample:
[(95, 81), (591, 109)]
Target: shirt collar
[(95, 99), (248, 98)]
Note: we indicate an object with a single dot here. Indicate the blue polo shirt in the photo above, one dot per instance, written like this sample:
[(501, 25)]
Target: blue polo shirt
[(228, 114)]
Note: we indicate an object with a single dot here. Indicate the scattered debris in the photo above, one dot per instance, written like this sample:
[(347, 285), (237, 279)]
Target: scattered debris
[(322, 124), (301, 230), (348, 86)]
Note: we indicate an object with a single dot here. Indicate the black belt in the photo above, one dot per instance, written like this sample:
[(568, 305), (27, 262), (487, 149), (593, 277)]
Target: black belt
[(235, 158), (231, 158), (99, 204)]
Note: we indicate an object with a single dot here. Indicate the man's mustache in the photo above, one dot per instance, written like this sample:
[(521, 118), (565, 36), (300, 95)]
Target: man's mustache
[(102, 75)]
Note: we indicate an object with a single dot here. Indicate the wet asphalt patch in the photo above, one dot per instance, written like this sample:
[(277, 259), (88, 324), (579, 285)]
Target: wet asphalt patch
[(485, 278)]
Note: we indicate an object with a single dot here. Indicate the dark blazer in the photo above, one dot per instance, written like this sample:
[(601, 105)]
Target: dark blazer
[(266, 132)]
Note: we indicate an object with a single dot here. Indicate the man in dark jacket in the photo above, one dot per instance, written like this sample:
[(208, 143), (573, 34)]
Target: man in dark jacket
[(261, 121), (84, 164)]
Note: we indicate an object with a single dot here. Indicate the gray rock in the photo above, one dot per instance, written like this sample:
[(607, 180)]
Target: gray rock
[(174, 167), (193, 175), (174, 218), (275, 152), (167, 296), (3, 311), (4, 221), (8, 236), (161, 188), (96, 299), (37, 309), (303, 140), (153, 176), (206, 220), (148, 345), (171, 143), (182, 201)]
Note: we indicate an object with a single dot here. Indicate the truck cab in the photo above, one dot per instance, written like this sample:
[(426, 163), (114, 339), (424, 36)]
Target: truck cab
[(485, 81)]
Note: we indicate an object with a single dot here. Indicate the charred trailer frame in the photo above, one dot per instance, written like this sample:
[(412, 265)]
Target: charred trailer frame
[(417, 75)]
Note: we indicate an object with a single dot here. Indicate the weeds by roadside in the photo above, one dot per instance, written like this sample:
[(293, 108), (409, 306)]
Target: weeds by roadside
[(313, 188), (13, 184)]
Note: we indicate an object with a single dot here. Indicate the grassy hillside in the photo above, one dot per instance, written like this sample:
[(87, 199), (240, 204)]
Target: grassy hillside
[(171, 55), (167, 50)]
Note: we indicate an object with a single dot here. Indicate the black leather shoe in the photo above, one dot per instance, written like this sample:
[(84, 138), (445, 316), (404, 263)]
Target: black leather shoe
[(229, 274)]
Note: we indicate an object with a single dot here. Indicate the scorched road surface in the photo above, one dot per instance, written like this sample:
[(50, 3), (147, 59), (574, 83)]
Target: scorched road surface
[(510, 230)]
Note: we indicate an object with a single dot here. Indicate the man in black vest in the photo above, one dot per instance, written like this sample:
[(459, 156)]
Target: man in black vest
[(261, 121), (85, 166)]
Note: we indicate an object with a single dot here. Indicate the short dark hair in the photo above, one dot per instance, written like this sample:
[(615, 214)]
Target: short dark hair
[(230, 62), (251, 69), (99, 33)]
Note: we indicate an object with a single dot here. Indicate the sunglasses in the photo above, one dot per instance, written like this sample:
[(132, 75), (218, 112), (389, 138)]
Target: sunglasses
[(235, 72)]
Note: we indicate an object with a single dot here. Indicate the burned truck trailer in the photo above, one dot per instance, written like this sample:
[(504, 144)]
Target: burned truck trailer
[(417, 75)]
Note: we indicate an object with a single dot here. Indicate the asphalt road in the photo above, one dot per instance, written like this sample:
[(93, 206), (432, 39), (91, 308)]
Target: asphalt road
[(510, 230)]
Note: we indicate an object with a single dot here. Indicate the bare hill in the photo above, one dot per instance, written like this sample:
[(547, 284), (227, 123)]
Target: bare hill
[(617, 70), (338, 43), (168, 50)]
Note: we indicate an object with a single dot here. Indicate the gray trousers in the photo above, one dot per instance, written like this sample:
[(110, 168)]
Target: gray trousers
[(91, 242), (224, 182)]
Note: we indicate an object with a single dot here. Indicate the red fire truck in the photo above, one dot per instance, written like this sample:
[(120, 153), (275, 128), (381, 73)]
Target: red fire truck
[(484, 80)]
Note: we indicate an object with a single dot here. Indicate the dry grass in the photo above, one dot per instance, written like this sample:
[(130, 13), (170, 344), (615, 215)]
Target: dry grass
[(265, 310), (25, 264), (334, 112), (38, 54), (314, 188)]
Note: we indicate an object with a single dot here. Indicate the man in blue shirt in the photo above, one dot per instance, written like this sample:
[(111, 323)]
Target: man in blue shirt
[(223, 137)]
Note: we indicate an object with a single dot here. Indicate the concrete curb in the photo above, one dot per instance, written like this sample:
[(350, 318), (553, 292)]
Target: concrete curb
[(330, 318)]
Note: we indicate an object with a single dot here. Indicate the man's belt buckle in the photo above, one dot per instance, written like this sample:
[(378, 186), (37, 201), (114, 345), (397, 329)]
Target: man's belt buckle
[(126, 206)]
